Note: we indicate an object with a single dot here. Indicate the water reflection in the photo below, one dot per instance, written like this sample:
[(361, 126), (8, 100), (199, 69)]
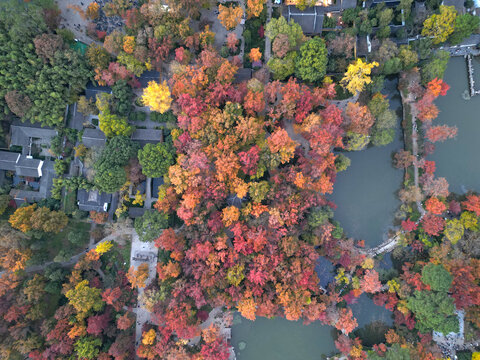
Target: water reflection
[(456, 159), (280, 339), (366, 192)]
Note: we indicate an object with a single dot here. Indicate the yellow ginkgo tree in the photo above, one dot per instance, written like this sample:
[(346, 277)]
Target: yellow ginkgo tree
[(103, 247), (358, 75), (157, 96), (440, 26)]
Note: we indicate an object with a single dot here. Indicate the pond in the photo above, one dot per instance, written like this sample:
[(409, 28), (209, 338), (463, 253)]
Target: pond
[(280, 339), (456, 158), (366, 193), (366, 197)]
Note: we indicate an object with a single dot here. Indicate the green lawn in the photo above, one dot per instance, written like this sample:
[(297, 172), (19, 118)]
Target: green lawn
[(59, 241), (69, 202)]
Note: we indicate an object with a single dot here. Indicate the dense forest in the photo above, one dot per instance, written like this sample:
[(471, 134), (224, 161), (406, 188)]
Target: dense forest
[(242, 216)]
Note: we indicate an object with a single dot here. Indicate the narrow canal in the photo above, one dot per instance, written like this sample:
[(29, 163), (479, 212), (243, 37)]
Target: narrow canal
[(456, 158), (366, 197)]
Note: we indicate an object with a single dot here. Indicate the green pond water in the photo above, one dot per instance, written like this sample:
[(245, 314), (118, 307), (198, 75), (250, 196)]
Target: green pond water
[(366, 198), (457, 159), (280, 339), (366, 192)]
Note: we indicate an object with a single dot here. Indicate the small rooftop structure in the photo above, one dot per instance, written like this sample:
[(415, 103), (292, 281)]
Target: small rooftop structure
[(324, 270), (310, 19), (459, 5), (147, 136), (388, 3), (148, 76), (93, 138), (22, 134), (44, 185), (93, 200), (26, 166), (136, 212), (92, 91), (8, 160), (156, 182), (21, 164), (242, 75), (141, 187)]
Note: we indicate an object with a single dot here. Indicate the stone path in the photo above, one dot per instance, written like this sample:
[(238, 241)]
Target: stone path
[(390, 243), (71, 19), (452, 342), (288, 126), (218, 317), (74, 259), (385, 247), (148, 194), (139, 249), (268, 46), (410, 100), (220, 32)]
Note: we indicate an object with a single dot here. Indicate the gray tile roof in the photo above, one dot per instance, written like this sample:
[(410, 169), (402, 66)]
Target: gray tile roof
[(43, 192), (91, 90), (8, 160), (93, 137), (92, 200), (324, 269), (20, 134), (145, 136), (156, 182), (135, 212), (310, 19), (28, 167), (242, 75), (148, 76)]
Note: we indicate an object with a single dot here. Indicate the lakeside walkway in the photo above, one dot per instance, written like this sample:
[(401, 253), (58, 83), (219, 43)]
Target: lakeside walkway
[(410, 101)]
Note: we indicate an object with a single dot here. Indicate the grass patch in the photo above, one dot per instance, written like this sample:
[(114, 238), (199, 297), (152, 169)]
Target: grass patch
[(341, 93), (117, 259), (59, 241), (69, 202)]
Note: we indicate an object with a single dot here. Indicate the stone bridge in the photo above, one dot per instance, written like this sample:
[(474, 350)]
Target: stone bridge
[(385, 247)]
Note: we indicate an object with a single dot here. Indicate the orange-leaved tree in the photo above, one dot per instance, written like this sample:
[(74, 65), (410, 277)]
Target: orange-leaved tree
[(229, 16), (255, 54), (254, 7), (138, 277), (93, 11)]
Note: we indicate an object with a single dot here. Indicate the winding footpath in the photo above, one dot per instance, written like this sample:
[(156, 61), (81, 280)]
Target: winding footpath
[(74, 259)]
